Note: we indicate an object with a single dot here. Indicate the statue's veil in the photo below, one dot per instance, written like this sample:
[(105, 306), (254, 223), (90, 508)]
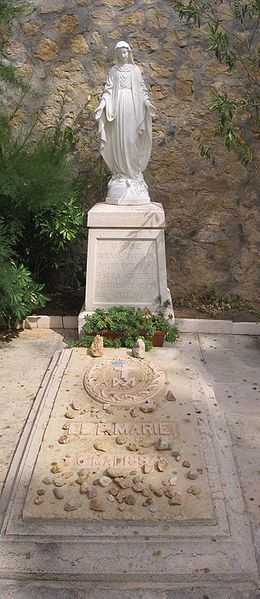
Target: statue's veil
[(123, 44)]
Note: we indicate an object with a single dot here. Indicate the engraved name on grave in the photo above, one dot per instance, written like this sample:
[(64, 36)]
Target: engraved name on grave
[(126, 270), (142, 429)]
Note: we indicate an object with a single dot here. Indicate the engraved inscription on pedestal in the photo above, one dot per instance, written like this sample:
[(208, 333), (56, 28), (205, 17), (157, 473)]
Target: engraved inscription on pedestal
[(124, 382), (125, 267), (126, 271)]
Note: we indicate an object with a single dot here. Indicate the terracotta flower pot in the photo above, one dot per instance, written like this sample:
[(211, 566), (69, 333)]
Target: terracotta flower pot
[(158, 338)]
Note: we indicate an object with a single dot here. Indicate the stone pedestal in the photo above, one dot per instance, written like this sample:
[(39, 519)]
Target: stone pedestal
[(126, 263)]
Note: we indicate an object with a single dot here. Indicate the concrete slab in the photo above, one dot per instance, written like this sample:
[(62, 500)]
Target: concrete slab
[(235, 397), (96, 591), (23, 362), (204, 325), (230, 366)]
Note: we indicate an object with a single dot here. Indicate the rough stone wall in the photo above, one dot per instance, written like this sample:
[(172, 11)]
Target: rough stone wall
[(66, 47)]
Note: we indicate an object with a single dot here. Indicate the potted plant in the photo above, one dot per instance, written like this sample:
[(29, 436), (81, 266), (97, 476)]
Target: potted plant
[(121, 326)]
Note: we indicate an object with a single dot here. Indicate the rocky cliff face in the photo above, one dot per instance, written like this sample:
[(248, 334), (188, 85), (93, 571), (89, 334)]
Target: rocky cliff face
[(66, 47)]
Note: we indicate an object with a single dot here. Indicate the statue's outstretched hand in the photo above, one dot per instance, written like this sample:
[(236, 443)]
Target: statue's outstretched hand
[(99, 110), (151, 108)]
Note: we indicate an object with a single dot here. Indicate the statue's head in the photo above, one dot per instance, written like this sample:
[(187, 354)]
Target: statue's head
[(123, 53)]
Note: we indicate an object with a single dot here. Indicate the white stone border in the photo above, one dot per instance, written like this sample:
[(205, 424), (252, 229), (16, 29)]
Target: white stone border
[(185, 325)]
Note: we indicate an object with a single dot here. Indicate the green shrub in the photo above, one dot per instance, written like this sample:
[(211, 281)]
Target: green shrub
[(130, 324), (39, 201), (19, 294)]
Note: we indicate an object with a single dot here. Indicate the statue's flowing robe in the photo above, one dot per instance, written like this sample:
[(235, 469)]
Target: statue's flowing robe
[(125, 126)]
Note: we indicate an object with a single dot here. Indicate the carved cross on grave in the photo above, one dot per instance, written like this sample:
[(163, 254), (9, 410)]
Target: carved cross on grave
[(123, 379)]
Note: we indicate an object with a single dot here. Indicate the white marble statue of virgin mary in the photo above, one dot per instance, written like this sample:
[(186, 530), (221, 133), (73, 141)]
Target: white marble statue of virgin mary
[(124, 118)]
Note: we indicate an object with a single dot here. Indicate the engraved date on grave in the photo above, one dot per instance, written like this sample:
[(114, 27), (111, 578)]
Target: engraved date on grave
[(110, 460), (144, 429)]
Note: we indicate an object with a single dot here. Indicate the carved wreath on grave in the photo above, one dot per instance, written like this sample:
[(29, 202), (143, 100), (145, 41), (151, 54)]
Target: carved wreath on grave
[(124, 382)]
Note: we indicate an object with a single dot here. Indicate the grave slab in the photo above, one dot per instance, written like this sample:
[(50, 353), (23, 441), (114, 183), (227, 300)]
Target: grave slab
[(114, 415), (208, 535)]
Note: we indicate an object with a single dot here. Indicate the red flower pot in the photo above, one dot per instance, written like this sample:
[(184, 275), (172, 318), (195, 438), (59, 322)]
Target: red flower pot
[(158, 338)]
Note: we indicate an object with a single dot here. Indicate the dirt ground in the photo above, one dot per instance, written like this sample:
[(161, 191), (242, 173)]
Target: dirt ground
[(70, 302)]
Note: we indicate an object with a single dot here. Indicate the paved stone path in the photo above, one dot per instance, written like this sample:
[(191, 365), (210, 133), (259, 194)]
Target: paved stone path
[(231, 366)]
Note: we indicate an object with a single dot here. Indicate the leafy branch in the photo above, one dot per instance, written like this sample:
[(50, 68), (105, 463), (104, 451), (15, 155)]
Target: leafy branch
[(232, 41)]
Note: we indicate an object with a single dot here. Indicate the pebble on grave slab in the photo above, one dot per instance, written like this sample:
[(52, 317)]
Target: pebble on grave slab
[(114, 491), (59, 482), (147, 443), (186, 464), (91, 493), (146, 492), (76, 405), (63, 439), (194, 491), (147, 469), (79, 480), (169, 492), (138, 350), (110, 498), (162, 464), (96, 349), (134, 413), (132, 447), (176, 454), (148, 406), (130, 500), (58, 493), (192, 475), (47, 481), (83, 472), (70, 414), (105, 481), (173, 480), (163, 444), (117, 472), (121, 496), (38, 500), (170, 396), (67, 475), (56, 468), (121, 440), (124, 483), (175, 499), (100, 446), (138, 488), (40, 492), (83, 488), (72, 505), (147, 502), (157, 490), (138, 478)]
